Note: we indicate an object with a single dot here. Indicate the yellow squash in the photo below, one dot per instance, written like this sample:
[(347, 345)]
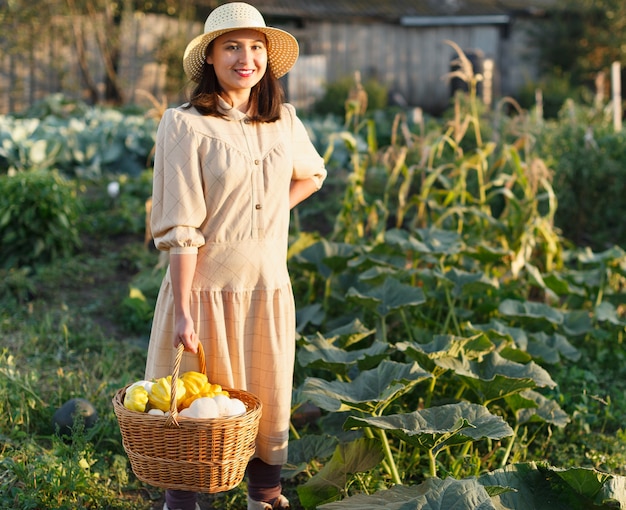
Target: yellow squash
[(160, 394), (136, 398), (194, 382), (208, 390)]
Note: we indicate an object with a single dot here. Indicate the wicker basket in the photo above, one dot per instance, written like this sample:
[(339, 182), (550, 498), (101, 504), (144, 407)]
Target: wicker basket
[(199, 455)]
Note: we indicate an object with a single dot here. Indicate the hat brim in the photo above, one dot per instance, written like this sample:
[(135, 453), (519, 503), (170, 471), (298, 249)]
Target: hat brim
[(282, 51)]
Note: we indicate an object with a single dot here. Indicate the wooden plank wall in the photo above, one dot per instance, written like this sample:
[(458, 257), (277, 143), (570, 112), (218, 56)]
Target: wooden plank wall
[(411, 61), (51, 66)]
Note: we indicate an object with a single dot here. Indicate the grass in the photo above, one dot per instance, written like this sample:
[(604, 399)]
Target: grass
[(61, 340)]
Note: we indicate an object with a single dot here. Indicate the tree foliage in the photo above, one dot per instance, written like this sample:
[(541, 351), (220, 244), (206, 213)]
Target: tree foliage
[(582, 38)]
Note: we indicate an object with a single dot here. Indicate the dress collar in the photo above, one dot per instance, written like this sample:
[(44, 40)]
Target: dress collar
[(230, 112)]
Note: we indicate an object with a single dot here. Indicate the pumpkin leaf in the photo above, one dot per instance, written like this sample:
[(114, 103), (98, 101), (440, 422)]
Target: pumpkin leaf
[(330, 482), (370, 390), (433, 494), (440, 425), (543, 487), (496, 377), (530, 310), (320, 352), (469, 284), (388, 297), (531, 406), (550, 348)]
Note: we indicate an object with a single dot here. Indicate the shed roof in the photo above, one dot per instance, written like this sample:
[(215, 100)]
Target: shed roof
[(397, 10)]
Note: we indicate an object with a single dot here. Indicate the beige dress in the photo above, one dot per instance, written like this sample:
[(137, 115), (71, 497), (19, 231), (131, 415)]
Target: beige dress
[(221, 190)]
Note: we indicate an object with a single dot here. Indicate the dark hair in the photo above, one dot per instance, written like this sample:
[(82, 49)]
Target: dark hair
[(266, 97)]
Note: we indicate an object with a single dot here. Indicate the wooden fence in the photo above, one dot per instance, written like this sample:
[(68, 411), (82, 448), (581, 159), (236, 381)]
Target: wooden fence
[(411, 61), (52, 64)]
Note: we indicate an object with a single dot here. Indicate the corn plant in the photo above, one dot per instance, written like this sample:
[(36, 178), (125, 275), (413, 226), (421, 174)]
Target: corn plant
[(499, 193)]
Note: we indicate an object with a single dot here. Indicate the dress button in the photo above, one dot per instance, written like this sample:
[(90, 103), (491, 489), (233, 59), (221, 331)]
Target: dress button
[(256, 161), (258, 206), (246, 121)]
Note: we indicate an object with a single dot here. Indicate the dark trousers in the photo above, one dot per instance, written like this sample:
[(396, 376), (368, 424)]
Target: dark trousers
[(263, 485)]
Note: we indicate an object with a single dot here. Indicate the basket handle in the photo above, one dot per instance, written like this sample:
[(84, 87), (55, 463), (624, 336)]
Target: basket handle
[(171, 419)]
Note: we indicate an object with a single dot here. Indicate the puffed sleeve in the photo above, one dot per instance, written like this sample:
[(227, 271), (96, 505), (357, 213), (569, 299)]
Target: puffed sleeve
[(307, 163), (178, 203)]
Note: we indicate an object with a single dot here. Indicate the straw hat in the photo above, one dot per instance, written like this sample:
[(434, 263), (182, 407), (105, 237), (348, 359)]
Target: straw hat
[(282, 47)]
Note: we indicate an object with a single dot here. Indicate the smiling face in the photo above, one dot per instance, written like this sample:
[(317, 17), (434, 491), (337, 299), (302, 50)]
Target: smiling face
[(240, 61)]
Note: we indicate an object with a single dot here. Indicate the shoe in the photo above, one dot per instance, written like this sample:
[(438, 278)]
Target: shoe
[(165, 507), (280, 503)]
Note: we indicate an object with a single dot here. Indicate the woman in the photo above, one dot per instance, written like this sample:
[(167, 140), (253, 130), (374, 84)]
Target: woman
[(228, 167)]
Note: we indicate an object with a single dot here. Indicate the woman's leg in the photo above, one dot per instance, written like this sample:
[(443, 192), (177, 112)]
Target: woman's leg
[(263, 481), (180, 500)]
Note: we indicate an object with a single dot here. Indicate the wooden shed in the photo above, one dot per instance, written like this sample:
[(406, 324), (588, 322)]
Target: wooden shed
[(401, 43)]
